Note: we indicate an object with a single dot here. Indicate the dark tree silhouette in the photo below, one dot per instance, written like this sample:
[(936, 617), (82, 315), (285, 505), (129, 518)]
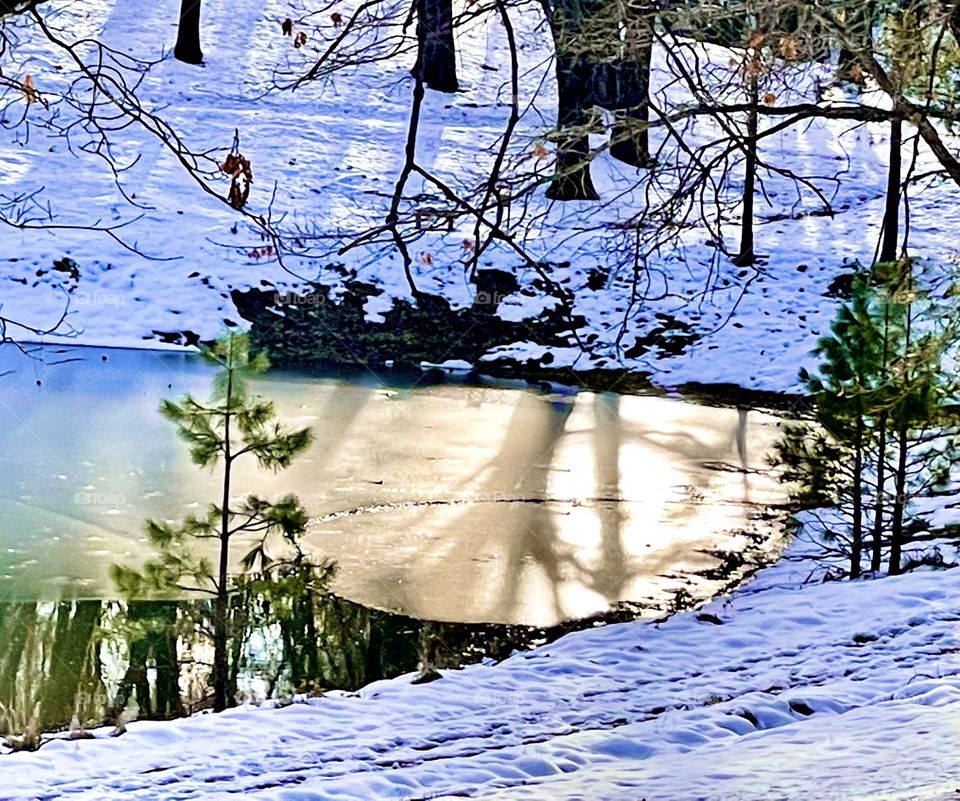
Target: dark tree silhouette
[(152, 627), (891, 213), (630, 141), (187, 48), (575, 79), (746, 255), (73, 639), (436, 53)]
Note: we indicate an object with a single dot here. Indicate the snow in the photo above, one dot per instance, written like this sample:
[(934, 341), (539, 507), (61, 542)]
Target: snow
[(451, 365), (335, 166), (834, 690), (781, 690)]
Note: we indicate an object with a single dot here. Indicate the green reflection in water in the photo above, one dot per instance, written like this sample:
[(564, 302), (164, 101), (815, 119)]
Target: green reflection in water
[(82, 664)]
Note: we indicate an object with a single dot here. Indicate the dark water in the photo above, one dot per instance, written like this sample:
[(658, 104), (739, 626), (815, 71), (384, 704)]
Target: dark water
[(81, 664)]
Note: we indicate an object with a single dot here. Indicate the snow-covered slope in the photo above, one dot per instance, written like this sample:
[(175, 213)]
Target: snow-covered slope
[(829, 691), (326, 156), (838, 690)]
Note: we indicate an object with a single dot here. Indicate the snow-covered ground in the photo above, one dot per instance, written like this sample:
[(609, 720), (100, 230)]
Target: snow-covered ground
[(326, 156), (829, 691), (826, 691)]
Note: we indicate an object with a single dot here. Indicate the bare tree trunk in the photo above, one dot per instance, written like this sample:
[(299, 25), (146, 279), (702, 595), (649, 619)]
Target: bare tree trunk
[(436, 51), (167, 662), (891, 213), (575, 79), (18, 622), (238, 630), (221, 676), (876, 556), (75, 627), (747, 255), (903, 427), (896, 526), (156, 636), (630, 140), (135, 681), (572, 180), (856, 546), (187, 48)]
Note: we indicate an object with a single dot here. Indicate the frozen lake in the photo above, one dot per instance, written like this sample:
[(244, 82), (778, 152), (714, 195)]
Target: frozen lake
[(442, 502)]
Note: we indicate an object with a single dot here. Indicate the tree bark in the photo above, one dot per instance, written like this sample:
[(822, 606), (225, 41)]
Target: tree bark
[(896, 526), (221, 675), (157, 636), (74, 631), (238, 628), (876, 556), (856, 545), (187, 48), (630, 139), (19, 623), (891, 213), (166, 659), (135, 681), (436, 50), (575, 85), (746, 255)]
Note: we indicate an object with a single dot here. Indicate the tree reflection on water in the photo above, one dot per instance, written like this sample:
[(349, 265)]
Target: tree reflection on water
[(75, 665)]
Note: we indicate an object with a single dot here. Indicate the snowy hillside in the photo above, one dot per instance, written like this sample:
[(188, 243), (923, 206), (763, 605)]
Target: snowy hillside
[(337, 165), (783, 689)]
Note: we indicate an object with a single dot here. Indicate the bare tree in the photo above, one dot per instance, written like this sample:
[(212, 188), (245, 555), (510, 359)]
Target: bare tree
[(436, 51), (188, 48), (571, 22), (630, 136), (728, 80)]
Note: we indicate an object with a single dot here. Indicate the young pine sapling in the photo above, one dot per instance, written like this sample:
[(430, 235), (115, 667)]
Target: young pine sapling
[(232, 425)]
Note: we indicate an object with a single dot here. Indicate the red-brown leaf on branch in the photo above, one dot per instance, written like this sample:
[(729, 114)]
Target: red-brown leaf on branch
[(336, 19), (241, 176), (287, 27), (30, 89), (789, 48), (300, 40)]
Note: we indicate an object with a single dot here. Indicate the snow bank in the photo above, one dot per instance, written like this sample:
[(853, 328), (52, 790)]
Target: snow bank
[(327, 155)]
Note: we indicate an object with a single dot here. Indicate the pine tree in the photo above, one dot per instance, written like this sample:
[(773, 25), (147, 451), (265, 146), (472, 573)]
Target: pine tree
[(880, 394), (919, 390), (846, 386), (233, 424)]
